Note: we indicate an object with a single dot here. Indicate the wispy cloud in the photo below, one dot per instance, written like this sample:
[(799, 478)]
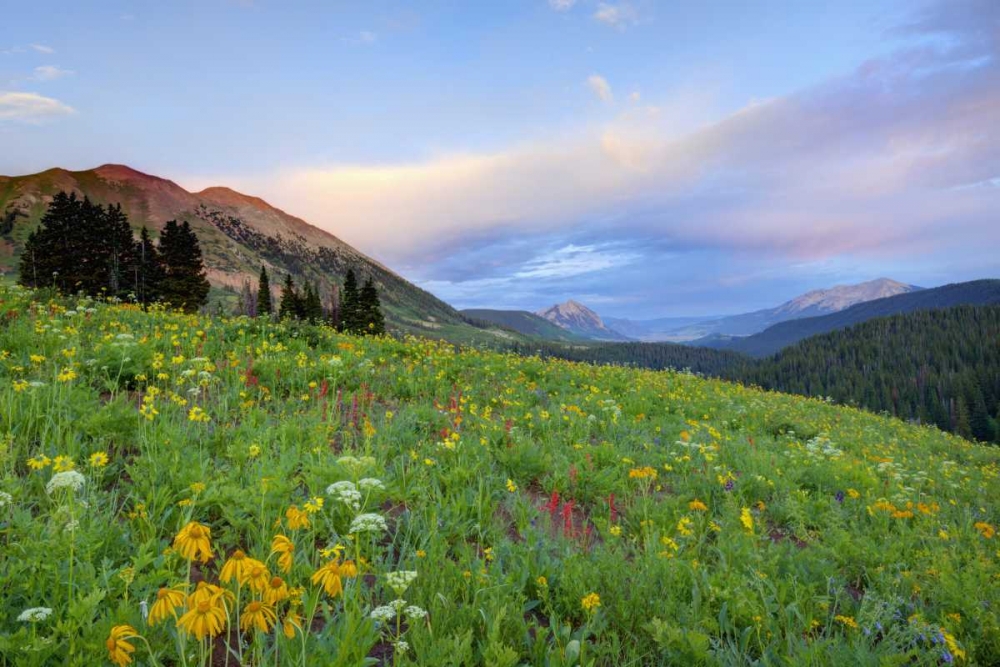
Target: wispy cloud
[(50, 72), (30, 107), (41, 48), (600, 87), (574, 260), (363, 38), (562, 5), (619, 16)]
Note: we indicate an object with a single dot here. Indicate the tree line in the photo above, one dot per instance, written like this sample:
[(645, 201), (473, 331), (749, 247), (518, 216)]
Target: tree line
[(351, 310), (938, 367), (80, 246), (83, 247)]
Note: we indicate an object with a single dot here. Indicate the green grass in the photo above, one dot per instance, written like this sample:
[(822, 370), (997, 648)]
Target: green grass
[(515, 488)]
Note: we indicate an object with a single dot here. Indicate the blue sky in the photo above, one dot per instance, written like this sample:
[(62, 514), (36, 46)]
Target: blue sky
[(647, 158)]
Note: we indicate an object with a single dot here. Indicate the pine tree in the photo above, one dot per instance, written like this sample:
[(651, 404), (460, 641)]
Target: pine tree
[(313, 306), (149, 273), (371, 319), (290, 306), (121, 256), (263, 293), (349, 315), (185, 285), (50, 249), (333, 317)]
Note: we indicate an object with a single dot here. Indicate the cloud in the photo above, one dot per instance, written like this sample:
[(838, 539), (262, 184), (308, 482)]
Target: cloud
[(561, 5), (879, 162), (600, 87), (30, 107), (41, 48), (574, 260), (618, 16), (50, 72)]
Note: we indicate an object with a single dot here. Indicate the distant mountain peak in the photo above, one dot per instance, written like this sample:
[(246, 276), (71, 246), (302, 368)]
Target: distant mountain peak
[(579, 319)]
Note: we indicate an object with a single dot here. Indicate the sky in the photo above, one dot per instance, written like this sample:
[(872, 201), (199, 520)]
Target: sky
[(648, 159)]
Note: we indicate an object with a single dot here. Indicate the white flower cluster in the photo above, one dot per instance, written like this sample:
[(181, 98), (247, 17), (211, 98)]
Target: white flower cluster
[(368, 523), (346, 493), (5, 498), (355, 464), (371, 484), (415, 613), (383, 614), (400, 581), (34, 615), (401, 646), (70, 479)]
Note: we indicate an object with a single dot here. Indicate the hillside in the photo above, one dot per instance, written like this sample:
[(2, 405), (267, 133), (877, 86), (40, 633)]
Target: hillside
[(522, 322), (576, 318), (937, 366), (308, 482), (238, 233), (773, 339)]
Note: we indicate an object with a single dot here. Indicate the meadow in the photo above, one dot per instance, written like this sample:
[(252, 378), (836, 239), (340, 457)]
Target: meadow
[(189, 490)]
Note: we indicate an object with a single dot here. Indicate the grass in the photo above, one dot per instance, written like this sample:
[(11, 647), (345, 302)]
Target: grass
[(554, 513)]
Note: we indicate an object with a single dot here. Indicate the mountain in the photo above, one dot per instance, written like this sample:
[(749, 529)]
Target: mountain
[(938, 366), (522, 322), (238, 233), (816, 302), (580, 320), (772, 339)]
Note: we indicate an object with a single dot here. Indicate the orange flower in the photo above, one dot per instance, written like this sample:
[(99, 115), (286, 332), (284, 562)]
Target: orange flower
[(192, 542)]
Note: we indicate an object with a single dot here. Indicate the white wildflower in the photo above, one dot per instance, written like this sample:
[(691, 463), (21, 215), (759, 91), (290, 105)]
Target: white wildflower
[(385, 613), (5, 498), (368, 523), (401, 646), (346, 493), (371, 484), (415, 613), (34, 615), (70, 479), (400, 581)]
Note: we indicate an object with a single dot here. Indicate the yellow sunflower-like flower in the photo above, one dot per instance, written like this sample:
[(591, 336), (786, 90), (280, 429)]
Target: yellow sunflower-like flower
[(275, 591), (207, 591), (235, 567), (193, 541), (119, 649), (291, 623), (296, 518), (329, 576), (167, 601), (256, 575), (258, 615), (284, 546), (206, 618)]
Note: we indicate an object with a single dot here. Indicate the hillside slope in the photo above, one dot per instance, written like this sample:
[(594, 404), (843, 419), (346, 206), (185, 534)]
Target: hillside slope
[(773, 339), (523, 322), (650, 517), (938, 366), (238, 233)]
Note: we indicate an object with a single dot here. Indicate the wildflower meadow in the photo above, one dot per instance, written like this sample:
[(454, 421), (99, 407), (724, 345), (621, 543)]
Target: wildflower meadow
[(187, 490)]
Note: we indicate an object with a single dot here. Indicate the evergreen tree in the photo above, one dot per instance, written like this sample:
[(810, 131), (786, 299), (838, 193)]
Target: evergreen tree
[(149, 273), (290, 306), (264, 293), (184, 285), (313, 306), (350, 320), (333, 317), (52, 250), (121, 255), (370, 310)]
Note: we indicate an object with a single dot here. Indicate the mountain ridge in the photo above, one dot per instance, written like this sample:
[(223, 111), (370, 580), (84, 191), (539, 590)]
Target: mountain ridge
[(580, 320)]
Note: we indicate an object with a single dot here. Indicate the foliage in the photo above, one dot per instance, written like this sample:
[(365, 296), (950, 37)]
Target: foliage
[(554, 513)]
